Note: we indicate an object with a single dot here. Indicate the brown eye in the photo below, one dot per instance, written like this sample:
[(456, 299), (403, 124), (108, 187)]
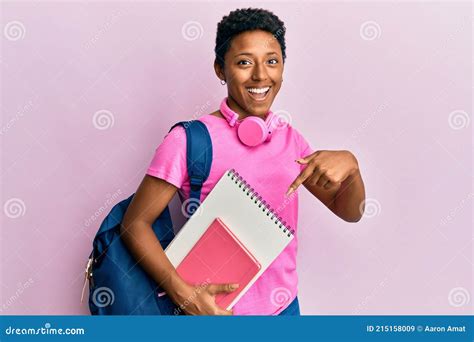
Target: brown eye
[(243, 61), (275, 60)]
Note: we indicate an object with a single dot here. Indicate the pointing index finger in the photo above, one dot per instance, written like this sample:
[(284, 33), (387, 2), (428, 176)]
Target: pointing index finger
[(299, 180)]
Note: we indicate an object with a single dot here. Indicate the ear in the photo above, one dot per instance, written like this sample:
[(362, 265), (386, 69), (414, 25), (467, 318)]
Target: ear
[(219, 71)]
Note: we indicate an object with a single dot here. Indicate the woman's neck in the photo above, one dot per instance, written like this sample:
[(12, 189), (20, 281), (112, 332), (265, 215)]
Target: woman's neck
[(234, 106)]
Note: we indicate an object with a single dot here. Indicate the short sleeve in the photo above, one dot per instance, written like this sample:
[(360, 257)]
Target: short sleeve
[(169, 161), (304, 148)]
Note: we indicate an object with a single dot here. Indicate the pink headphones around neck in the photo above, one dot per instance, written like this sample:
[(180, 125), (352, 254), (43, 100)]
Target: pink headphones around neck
[(252, 131)]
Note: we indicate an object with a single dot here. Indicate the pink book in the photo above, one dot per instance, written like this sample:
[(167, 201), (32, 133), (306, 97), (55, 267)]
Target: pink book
[(219, 258)]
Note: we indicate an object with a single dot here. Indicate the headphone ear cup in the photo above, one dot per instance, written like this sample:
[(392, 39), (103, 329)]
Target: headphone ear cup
[(252, 131)]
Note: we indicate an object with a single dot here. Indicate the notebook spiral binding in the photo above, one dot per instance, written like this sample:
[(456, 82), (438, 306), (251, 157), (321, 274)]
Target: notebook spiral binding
[(242, 183)]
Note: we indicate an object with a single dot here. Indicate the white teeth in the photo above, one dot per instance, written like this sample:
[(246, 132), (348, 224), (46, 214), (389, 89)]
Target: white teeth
[(258, 90)]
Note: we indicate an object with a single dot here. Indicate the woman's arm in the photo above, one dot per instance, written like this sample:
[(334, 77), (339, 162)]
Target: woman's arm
[(344, 200), (334, 178), (151, 198)]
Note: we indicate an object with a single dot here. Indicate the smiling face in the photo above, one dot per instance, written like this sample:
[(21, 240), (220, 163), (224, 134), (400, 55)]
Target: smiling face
[(253, 70)]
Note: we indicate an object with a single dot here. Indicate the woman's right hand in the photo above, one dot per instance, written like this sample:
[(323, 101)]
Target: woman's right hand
[(201, 299)]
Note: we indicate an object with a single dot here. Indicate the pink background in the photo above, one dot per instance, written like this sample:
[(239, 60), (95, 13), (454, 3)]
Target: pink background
[(389, 81)]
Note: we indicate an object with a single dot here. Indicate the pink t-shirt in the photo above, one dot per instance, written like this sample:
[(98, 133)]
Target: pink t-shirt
[(270, 168)]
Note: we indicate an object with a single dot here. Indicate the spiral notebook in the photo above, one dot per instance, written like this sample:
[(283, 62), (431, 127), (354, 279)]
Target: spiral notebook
[(246, 214)]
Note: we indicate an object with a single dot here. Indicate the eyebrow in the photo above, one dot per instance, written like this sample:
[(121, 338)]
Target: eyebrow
[(250, 54)]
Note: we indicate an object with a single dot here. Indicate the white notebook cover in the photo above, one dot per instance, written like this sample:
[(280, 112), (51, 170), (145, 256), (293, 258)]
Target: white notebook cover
[(264, 236)]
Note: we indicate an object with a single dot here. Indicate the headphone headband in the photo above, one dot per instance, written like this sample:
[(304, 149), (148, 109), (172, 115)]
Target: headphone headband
[(252, 130), (232, 117)]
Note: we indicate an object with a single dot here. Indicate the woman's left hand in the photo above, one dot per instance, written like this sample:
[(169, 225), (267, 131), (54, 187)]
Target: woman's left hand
[(327, 169)]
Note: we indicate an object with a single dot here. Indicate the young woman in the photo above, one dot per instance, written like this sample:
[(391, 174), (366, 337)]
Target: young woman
[(250, 56)]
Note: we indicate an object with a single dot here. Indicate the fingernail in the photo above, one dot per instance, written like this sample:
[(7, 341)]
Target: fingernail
[(234, 286), (290, 190)]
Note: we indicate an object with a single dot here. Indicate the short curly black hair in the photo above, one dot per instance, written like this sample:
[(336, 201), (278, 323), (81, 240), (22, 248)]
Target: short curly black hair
[(247, 19)]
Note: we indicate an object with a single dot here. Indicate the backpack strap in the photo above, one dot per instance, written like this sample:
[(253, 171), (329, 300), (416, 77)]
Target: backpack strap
[(198, 157)]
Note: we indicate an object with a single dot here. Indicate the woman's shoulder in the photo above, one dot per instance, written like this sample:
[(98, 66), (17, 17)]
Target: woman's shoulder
[(216, 113), (204, 118), (294, 134), (213, 121), (215, 116)]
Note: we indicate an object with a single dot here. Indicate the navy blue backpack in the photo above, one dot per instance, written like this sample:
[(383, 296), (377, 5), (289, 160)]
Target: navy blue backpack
[(117, 283)]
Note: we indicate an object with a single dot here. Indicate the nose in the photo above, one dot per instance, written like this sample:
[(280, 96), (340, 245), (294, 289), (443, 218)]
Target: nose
[(259, 73)]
